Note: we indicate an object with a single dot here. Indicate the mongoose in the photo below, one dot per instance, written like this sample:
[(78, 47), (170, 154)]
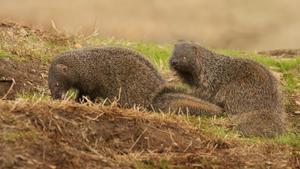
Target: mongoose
[(109, 72), (244, 88)]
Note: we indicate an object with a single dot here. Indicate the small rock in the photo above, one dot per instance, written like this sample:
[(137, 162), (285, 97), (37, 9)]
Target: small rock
[(21, 157), (268, 162), (277, 75), (52, 166), (78, 46), (297, 112), (33, 71), (171, 79), (10, 33), (23, 32), (175, 144), (43, 75)]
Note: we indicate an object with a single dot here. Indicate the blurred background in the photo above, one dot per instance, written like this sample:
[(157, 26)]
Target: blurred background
[(236, 24)]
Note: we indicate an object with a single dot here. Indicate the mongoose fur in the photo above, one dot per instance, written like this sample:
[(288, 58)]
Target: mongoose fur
[(114, 73), (244, 88), (172, 99)]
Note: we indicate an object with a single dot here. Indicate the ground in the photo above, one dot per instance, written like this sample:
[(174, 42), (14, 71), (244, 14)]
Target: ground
[(37, 132)]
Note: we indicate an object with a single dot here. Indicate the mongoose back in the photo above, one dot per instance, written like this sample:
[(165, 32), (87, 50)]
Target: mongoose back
[(242, 87), (110, 72)]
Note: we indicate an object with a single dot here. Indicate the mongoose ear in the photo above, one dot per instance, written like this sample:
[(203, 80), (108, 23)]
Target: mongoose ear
[(62, 68)]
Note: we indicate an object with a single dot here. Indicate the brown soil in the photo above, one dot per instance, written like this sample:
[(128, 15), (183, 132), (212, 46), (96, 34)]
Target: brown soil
[(70, 135), (26, 58), (29, 76)]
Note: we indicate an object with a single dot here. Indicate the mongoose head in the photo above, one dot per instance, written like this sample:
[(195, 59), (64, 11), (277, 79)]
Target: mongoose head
[(59, 80), (183, 60), (183, 56)]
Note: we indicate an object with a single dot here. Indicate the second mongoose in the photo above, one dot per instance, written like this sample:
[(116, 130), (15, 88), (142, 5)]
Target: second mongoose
[(244, 88)]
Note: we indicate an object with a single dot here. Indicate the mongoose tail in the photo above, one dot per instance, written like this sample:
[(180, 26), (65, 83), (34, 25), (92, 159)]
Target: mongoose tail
[(180, 102), (196, 106)]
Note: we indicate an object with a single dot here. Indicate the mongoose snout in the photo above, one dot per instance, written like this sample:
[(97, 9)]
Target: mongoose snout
[(173, 63)]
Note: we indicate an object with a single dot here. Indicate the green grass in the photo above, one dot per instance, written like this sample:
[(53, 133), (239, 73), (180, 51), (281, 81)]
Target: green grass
[(12, 136), (162, 164), (159, 54), (6, 54), (32, 96), (213, 125), (216, 126), (289, 138)]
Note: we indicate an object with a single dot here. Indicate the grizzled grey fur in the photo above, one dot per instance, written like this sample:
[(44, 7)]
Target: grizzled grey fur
[(244, 88)]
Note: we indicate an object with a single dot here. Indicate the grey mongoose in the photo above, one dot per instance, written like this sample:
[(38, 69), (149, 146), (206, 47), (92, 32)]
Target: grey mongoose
[(117, 73), (244, 88)]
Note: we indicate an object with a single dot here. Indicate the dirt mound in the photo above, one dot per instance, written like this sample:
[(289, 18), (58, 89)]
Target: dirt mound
[(45, 134), (21, 77)]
